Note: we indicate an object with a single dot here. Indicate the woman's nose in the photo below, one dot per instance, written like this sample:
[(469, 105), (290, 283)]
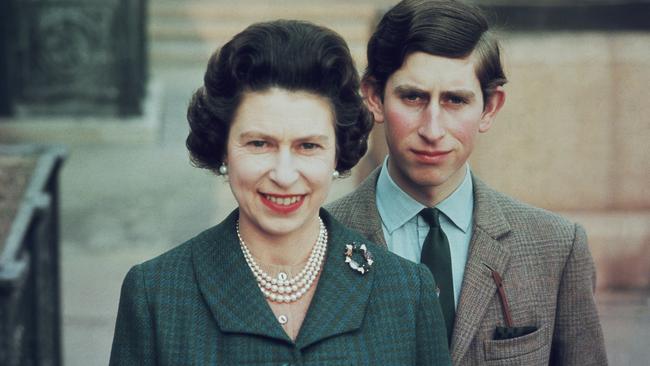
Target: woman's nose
[(284, 173)]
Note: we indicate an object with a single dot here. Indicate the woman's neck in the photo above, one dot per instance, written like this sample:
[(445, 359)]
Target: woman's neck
[(285, 249)]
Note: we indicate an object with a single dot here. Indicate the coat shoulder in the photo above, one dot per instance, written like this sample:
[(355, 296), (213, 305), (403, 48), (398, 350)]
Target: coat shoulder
[(341, 208), (358, 209), (538, 220), (527, 223), (178, 259), (386, 263)]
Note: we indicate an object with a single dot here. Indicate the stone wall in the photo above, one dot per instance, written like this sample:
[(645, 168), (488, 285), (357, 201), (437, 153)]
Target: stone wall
[(575, 124)]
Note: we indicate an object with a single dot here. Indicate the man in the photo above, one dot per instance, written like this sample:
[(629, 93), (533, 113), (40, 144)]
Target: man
[(515, 282)]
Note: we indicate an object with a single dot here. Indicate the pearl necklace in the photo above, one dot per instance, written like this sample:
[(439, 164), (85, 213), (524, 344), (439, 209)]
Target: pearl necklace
[(282, 289)]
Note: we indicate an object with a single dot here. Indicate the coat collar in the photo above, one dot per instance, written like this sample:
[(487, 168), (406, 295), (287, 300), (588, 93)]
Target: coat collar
[(339, 304), (238, 306), (367, 204), (228, 286), (478, 288)]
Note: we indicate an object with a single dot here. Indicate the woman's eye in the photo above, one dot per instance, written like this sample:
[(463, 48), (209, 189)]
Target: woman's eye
[(308, 146), (257, 143)]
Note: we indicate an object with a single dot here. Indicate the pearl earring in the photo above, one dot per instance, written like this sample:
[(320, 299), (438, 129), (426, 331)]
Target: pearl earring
[(223, 169), (335, 174)]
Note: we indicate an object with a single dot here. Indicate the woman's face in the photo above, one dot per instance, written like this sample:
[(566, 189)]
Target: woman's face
[(281, 154)]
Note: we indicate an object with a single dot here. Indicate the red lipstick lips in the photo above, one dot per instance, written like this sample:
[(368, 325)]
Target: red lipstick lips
[(282, 204)]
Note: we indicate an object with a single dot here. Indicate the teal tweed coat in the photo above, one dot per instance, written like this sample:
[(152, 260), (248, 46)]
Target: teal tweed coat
[(199, 304)]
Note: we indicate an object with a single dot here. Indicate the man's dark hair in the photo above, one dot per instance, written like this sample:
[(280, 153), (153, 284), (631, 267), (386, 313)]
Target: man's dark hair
[(292, 55), (444, 28)]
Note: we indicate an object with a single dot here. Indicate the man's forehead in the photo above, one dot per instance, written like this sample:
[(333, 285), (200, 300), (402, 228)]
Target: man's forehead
[(422, 70)]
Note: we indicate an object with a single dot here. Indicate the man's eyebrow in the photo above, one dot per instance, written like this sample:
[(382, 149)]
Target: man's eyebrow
[(401, 89), (462, 93)]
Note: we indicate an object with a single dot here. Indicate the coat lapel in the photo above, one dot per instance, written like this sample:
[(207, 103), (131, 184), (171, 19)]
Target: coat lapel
[(228, 285), (238, 306), (478, 287), (340, 301)]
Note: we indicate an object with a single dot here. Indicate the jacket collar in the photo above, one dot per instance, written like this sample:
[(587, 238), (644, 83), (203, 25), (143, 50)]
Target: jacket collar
[(477, 291), (238, 306), (367, 204), (228, 286)]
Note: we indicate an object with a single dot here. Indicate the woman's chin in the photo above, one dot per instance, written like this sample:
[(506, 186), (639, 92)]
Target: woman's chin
[(274, 224)]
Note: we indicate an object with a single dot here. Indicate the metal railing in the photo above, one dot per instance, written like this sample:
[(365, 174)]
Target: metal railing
[(30, 302)]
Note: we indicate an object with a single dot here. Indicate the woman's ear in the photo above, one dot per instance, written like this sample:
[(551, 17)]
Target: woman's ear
[(492, 106), (373, 99)]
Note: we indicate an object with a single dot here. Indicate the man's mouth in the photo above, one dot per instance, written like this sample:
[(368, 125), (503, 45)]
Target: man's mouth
[(431, 156)]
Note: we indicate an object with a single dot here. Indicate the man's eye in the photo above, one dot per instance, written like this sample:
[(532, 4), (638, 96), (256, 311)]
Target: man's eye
[(456, 100), (412, 98)]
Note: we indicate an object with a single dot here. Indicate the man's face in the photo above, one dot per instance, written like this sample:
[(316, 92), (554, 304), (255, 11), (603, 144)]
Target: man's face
[(432, 111)]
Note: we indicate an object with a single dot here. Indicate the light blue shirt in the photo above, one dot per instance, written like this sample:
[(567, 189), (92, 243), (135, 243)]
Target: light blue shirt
[(405, 230)]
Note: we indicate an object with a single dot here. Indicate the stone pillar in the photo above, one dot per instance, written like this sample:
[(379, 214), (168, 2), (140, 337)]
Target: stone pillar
[(6, 27), (81, 58)]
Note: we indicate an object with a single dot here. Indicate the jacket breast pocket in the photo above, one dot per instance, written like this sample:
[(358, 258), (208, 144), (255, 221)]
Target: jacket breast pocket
[(531, 349)]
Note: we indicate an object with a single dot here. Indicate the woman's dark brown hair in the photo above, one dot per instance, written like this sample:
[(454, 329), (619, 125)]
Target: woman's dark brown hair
[(292, 55)]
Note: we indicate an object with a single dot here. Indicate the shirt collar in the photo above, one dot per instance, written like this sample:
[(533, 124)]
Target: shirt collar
[(397, 207), (458, 207)]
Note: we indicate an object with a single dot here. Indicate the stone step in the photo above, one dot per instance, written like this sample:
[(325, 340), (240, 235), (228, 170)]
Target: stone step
[(190, 29), (249, 12), (197, 52), (182, 53), (187, 33)]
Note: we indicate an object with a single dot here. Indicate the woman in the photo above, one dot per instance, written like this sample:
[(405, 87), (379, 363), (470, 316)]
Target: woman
[(279, 281)]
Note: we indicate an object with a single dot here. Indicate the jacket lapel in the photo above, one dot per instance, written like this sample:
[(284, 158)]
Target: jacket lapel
[(228, 285), (365, 204), (238, 306), (478, 287), (340, 301)]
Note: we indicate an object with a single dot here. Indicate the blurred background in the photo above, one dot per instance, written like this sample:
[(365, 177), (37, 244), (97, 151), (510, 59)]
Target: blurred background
[(93, 96)]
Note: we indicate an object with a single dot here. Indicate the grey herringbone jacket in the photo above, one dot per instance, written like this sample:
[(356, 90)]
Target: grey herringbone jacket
[(548, 276)]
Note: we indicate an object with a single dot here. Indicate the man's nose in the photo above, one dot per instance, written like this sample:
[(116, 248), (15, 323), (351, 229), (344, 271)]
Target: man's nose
[(432, 127)]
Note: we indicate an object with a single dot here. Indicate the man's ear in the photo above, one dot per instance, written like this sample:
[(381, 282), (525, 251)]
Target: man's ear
[(373, 99), (492, 107)]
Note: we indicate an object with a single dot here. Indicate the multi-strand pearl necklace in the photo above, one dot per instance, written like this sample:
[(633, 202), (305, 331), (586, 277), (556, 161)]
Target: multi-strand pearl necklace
[(283, 289)]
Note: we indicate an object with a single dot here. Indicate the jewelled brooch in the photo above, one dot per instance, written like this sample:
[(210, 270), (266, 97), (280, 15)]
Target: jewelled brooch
[(368, 260)]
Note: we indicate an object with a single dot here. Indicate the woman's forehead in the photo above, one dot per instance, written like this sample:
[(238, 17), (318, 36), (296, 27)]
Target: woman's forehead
[(282, 112)]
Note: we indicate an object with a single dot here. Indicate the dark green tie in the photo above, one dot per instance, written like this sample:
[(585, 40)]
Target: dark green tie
[(436, 256)]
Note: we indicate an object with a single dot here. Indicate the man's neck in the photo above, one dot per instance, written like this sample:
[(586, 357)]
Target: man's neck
[(428, 195)]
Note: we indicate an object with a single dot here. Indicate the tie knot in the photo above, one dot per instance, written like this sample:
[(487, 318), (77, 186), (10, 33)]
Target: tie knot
[(431, 216)]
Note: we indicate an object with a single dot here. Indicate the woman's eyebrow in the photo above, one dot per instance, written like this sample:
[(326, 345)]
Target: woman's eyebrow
[(315, 138), (253, 134), (261, 135)]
